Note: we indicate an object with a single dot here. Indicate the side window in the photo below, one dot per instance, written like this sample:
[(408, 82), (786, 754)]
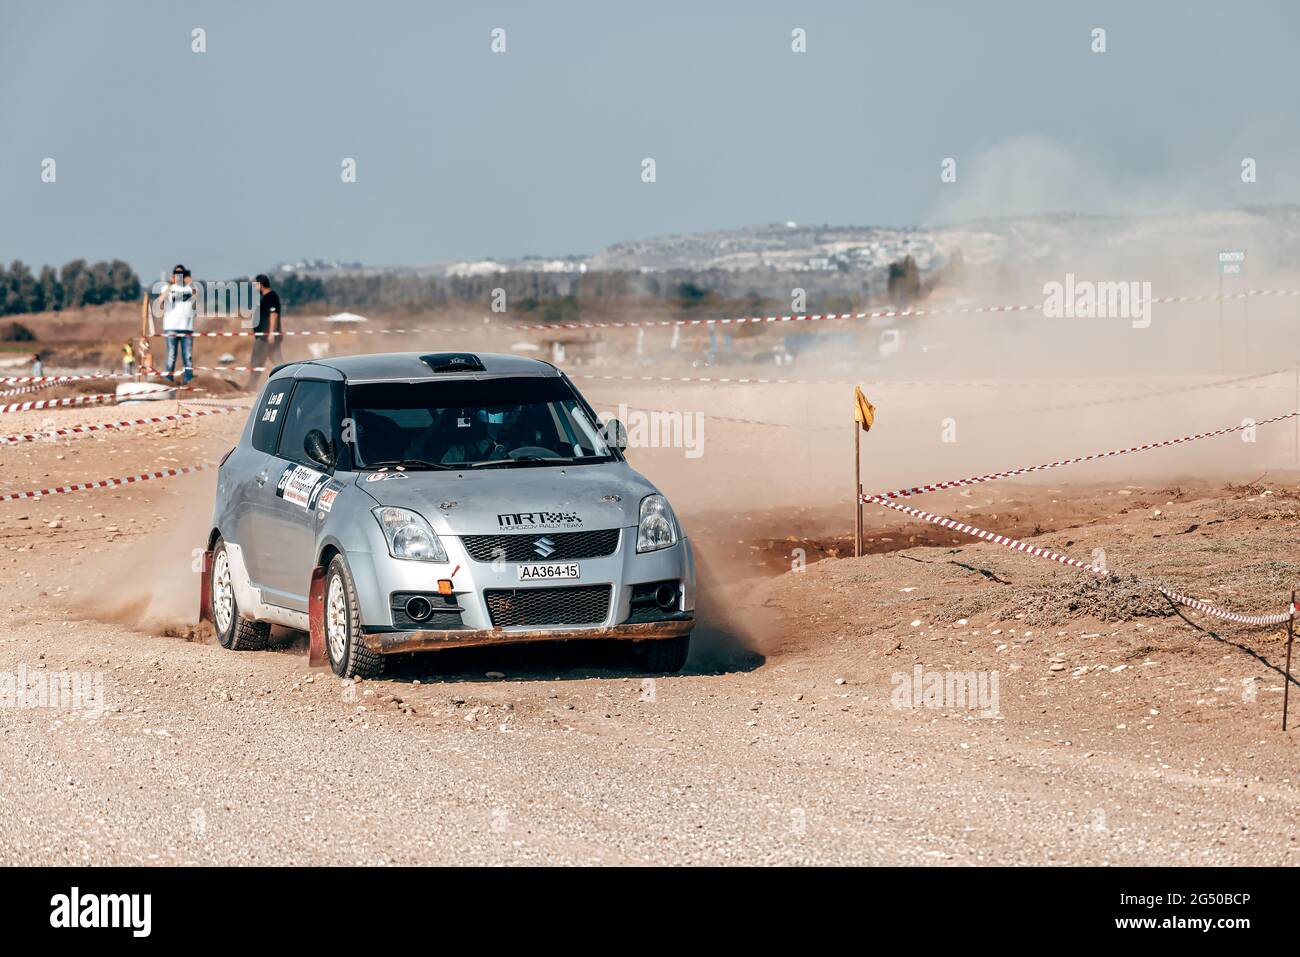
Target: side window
[(270, 415), (310, 408)]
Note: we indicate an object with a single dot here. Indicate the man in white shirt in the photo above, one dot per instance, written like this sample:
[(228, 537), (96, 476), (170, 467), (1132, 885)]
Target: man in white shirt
[(179, 302)]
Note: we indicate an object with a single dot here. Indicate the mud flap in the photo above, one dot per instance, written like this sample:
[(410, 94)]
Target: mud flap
[(205, 587), (316, 620)]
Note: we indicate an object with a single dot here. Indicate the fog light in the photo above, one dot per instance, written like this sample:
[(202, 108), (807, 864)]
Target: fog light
[(418, 608)]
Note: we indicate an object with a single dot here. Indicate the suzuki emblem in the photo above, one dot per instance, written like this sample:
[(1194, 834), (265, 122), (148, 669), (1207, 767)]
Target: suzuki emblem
[(544, 547)]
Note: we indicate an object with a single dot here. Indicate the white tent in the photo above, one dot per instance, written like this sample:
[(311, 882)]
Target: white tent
[(345, 317)]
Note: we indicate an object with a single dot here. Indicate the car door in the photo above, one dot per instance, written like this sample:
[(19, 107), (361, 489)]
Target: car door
[(294, 484), (250, 469)]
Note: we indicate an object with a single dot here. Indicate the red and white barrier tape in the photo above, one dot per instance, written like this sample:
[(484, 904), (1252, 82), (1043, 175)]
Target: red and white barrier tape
[(246, 333), (880, 384), (1158, 392), (1208, 609), (739, 380), (105, 483), (100, 427), (50, 380), (1039, 552), (23, 390), (1012, 543), (509, 326), (721, 418), (98, 397), (992, 476), (887, 313), (55, 379), (54, 403)]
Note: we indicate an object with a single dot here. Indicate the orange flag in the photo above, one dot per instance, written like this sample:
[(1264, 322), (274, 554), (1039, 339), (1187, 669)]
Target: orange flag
[(863, 411)]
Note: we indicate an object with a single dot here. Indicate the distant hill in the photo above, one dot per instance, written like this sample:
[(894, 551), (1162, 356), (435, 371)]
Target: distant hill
[(834, 264)]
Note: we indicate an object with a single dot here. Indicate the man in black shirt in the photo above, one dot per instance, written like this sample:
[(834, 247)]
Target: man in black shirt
[(266, 333)]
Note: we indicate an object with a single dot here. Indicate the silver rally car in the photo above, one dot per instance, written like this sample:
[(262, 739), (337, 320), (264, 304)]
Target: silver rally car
[(407, 502)]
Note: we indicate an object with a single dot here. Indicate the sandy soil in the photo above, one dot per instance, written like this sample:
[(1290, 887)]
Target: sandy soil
[(1123, 734)]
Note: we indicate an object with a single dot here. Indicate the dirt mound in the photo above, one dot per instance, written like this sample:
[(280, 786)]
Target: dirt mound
[(1112, 598)]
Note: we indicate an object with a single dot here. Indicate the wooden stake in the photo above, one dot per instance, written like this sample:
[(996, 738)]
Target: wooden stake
[(1223, 364), (1286, 685), (857, 484)]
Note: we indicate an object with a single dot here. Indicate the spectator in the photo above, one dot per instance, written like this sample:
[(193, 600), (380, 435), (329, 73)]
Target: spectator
[(128, 358), (266, 330), (38, 368), (179, 301)]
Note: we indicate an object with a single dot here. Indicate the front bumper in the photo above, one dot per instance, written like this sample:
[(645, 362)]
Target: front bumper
[(398, 642), (377, 576)]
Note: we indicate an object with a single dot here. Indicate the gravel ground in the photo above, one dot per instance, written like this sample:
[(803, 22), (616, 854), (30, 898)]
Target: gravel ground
[(1150, 744)]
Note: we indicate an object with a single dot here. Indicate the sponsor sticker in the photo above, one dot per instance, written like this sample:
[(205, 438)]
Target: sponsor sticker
[(538, 519), (300, 485), (327, 496), (385, 476)]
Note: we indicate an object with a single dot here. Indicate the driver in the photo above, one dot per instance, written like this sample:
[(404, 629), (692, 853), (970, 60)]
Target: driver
[(480, 435)]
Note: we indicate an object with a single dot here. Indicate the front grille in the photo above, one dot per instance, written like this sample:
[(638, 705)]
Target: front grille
[(575, 605), (558, 547)]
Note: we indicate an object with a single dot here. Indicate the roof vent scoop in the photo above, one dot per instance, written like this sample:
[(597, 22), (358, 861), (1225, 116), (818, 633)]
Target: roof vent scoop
[(453, 362)]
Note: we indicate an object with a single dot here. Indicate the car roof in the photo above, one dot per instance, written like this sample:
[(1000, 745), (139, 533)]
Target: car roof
[(419, 366)]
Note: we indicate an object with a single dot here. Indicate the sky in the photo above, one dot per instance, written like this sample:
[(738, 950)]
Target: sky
[(230, 160)]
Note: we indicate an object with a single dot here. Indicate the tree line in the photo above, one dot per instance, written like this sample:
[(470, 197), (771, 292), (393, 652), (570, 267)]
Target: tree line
[(77, 283), (560, 296), (537, 295)]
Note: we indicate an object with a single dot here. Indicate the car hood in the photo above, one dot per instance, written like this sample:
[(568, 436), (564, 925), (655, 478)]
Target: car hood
[(505, 500)]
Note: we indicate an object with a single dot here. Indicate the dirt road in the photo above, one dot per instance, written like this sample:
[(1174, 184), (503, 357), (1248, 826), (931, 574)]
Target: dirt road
[(785, 741)]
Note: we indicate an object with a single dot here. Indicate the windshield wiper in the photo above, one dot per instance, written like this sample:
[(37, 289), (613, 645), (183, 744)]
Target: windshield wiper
[(407, 463), (546, 459), (523, 458)]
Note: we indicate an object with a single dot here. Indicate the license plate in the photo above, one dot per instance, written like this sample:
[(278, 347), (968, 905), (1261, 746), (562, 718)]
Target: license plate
[(543, 572)]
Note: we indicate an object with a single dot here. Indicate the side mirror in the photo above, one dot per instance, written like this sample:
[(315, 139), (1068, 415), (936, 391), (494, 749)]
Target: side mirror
[(615, 434), (318, 448)]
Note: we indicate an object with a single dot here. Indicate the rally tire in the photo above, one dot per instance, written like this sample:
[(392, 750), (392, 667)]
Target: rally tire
[(234, 631), (666, 655), (348, 656)]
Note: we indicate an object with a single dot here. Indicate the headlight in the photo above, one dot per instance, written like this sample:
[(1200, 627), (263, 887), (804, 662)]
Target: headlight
[(409, 535), (658, 526)]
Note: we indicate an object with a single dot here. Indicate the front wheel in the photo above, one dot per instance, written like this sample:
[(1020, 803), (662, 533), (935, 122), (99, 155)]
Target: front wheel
[(666, 655), (349, 658), (234, 631)]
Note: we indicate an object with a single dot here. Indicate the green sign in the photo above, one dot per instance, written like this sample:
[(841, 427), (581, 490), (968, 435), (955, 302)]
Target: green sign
[(1232, 262)]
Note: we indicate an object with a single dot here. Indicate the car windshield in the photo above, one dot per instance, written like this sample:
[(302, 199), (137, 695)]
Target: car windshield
[(472, 423)]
